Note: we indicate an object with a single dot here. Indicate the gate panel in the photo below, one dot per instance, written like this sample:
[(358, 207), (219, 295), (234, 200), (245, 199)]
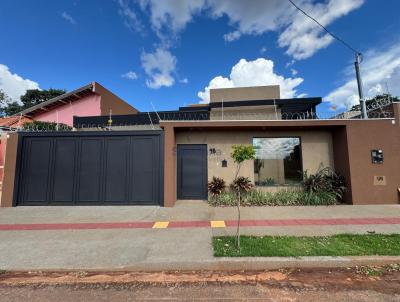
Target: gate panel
[(144, 173), (37, 169), (64, 170), (89, 168), (116, 170)]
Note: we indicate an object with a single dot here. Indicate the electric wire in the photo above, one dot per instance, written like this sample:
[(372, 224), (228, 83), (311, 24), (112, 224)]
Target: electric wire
[(325, 29)]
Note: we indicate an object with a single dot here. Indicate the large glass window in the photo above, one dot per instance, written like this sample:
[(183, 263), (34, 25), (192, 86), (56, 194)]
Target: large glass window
[(278, 161)]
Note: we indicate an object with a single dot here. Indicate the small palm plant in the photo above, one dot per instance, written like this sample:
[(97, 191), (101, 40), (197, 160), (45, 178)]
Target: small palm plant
[(216, 186)]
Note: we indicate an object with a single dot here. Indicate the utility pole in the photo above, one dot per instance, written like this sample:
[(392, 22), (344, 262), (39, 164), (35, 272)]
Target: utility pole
[(364, 114)]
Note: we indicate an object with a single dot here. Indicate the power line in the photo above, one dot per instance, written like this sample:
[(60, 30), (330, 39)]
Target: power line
[(325, 29)]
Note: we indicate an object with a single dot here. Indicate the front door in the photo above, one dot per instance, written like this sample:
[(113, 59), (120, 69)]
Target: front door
[(192, 171)]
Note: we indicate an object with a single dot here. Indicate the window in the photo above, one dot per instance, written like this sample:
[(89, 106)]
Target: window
[(278, 161)]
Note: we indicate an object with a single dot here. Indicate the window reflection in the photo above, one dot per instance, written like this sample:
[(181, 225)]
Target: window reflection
[(278, 161)]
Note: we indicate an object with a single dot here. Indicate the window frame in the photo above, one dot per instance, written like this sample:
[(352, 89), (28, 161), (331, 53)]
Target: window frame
[(301, 156)]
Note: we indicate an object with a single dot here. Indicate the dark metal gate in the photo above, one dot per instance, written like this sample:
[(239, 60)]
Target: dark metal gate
[(90, 168)]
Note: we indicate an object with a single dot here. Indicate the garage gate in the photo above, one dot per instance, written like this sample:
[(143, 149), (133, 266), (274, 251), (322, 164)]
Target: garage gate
[(89, 168)]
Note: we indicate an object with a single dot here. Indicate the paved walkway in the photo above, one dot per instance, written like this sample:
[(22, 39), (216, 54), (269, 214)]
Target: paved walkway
[(154, 238), (198, 224)]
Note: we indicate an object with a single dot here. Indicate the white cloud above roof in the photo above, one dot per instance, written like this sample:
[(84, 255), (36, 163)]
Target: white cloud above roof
[(299, 35), (13, 84), (259, 72), (159, 67)]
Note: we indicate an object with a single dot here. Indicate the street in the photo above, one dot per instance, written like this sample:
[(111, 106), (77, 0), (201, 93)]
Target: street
[(351, 284)]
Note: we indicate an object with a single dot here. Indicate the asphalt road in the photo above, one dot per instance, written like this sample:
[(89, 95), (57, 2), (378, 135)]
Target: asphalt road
[(361, 284)]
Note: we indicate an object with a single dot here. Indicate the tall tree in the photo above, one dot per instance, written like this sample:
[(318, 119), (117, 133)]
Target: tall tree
[(31, 98)]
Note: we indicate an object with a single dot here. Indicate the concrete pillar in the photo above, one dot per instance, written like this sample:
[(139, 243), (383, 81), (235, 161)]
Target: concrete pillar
[(10, 161), (169, 166), (396, 112)]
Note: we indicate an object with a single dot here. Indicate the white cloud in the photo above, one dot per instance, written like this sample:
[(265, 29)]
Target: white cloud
[(232, 36), (13, 84), (184, 81), (131, 21), (299, 35), (293, 71), (130, 75), (263, 50), (379, 69), (303, 37), (259, 72), (171, 15), (68, 18), (159, 67)]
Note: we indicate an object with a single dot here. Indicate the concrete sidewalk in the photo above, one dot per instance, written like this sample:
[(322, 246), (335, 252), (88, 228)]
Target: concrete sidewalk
[(169, 248)]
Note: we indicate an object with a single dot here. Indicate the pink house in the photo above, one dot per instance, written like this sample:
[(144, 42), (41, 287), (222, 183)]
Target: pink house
[(90, 100)]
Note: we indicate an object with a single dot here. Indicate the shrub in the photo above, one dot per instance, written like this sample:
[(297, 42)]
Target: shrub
[(46, 126), (324, 181), (216, 186), (242, 184), (278, 198)]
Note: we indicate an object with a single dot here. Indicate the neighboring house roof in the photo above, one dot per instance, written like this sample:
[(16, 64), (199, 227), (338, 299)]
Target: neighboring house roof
[(60, 100), (14, 121), (93, 88)]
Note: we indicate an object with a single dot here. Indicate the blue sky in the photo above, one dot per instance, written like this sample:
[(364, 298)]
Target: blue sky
[(169, 52)]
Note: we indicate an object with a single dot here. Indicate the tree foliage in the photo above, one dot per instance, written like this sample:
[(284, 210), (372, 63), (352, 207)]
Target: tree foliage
[(240, 153), (31, 98)]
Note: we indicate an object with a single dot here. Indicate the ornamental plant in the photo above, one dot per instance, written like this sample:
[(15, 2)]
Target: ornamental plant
[(241, 153), (216, 186)]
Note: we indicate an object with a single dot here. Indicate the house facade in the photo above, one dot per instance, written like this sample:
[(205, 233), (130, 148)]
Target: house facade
[(160, 157)]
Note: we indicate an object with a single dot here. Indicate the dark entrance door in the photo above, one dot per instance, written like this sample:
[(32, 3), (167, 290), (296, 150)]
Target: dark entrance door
[(90, 168), (192, 171)]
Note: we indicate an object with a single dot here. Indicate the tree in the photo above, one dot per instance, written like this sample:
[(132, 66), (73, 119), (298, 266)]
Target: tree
[(241, 153), (31, 98), (4, 100)]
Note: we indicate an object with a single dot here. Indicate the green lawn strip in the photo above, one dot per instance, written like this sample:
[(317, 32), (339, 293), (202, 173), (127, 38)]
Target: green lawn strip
[(291, 246)]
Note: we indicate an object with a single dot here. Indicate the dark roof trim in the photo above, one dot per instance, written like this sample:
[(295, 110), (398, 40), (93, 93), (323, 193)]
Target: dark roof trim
[(62, 99), (142, 118), (311, 102)]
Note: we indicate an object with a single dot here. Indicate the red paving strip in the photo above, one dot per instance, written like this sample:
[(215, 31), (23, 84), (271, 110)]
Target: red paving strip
[(198, 224)]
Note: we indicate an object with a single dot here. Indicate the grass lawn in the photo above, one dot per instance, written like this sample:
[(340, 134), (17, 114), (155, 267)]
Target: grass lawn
[(290, 246)]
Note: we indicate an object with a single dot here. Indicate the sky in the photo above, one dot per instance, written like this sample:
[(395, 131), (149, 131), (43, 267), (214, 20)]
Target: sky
[(166, 54)]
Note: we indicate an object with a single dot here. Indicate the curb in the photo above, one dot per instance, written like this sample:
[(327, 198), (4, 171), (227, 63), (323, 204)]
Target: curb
[(237, 264)]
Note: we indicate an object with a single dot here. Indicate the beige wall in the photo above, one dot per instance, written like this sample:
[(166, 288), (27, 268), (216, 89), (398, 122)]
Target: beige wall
[(317, 149), (245, 93), (246, 113)]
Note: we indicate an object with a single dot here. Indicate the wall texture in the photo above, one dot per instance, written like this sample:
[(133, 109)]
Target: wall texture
[(109, 101), (87, 106), (361, 139), (245, 93), (246, 113), (317, 149)]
